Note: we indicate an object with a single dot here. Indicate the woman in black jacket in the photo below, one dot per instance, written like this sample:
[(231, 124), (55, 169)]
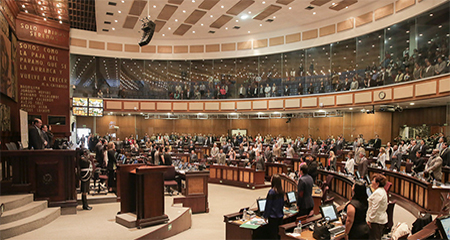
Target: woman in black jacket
[(111, 166)]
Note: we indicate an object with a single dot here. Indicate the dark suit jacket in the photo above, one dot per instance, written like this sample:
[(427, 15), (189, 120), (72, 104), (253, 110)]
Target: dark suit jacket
[(397, 161), (377, 143), (363, 167), (34, 138), (167, 159), (332, 163), (445, 155), (99, 155), (412, 152), (304, 190)]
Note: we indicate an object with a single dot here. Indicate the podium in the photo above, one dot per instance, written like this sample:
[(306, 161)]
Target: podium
[(142, 194), (195, 192)]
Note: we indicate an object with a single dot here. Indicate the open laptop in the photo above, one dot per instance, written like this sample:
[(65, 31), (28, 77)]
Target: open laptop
[(443, 224), (261, 206), (329, 212)]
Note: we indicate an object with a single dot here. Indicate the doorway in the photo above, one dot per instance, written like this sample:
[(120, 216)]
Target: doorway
[(83, 132)]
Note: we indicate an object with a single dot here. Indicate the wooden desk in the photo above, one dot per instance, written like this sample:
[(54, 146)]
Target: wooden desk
[(275, 168), (195, 192), (234, 231), (236, 176), (48, 174)]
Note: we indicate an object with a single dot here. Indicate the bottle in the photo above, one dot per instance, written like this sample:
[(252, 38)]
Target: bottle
[(298, 229), (434, 182)]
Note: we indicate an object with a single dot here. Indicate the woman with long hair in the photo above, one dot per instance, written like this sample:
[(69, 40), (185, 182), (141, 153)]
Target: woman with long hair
[(355, 224), (381, 159), (274, 207)]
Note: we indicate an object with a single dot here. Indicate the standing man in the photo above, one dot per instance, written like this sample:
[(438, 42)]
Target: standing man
[(276, 150), (396, 159), (214, 152), (36, 136), (221, 158), (305, 202), (434, 165), (377, 142), (363, 164), (445, 154), (290, 151)]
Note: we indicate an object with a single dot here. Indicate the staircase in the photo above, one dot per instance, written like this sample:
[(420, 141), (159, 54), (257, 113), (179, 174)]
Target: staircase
[(22, 214)]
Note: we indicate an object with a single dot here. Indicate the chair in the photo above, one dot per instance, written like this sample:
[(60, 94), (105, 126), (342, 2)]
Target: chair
[(390, 213), (169, 180), (387, 187), (20, 145), (100, 176), (408, 167), (329, 179)]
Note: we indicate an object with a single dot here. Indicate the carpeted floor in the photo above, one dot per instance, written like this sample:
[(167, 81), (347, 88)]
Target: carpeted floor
[(100, 222)]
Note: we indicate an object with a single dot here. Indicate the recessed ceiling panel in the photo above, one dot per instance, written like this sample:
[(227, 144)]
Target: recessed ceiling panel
[(267, 12), (177, 2), (208, 4), (130, 22), (240, 6), (343, 4), (182, 29), (167, 12), (137, 7), (195, 16), (319, 2), (222, 20), (159, 25), (284, 2)]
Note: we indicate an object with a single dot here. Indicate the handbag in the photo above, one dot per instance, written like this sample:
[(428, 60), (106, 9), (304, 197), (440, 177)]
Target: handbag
[(322, 231)]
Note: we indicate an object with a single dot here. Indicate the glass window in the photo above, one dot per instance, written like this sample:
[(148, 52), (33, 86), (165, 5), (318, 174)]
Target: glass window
[(83, 75)]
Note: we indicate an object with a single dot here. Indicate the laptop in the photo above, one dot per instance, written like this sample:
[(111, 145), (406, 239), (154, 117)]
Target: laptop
[(443, 224), (261, 206)]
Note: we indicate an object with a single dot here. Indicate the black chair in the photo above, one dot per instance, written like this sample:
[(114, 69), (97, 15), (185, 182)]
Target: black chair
[(390, 213), (169, 179)]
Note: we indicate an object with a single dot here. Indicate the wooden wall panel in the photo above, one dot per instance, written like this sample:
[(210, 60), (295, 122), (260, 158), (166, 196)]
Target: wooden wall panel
[(384, 11), (180, 49), (425, 89), (213, 48), (78, 42), (261, 43), (276, 41), (344, 99), (444, 85), (403, 4), (292, 103), (126, 125), (327, 30), (85, 122), (228, 47), (244, 45), (148, 49), (260, 105), (403, 92), (311, 34), (227, 106), (309, 102), (417, 117), (327, 101), (130, 105), (131, 48), (364, 19), (164, 49), (244, 105), (148, 106), (114, 47), (96, 45), (112, 105), (183, 106), (363, 97), (274, 104), (164, 106), (196, 106), (196, 48), (214, 106), (345, 25), (291, 38)]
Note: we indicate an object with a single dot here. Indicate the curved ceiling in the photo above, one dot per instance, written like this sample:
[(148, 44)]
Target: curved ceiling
[(212, 19)]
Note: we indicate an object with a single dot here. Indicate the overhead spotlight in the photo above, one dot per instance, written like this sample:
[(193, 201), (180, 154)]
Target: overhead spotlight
[(148, 27), (289, 120)]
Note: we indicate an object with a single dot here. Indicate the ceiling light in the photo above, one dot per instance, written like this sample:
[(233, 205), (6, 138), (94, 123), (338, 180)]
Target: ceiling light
[(346, 7), (274, 17), (222, 6), (184, 11), (45, 19), (123, 1), (193, 31), (350, 109), (226, 28), (244, 16), (411, 103), (248, 31), (43, 14), (237, 20), (201, 24), (249, 12), (26, 11), (193, 1), (176, 20), (154, 6), (169, 28), (260, 24), (164, 35), (290, 8), (42, 9), (39, 3), (129, 114), (211, 16), (115, 20), (60, 22), (263, 2), (113, 29), (59, 17), (314, 13), (119, 11)]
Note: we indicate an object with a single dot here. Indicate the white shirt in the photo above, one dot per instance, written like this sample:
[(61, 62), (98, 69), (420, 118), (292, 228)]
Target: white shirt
[(378, 203), (382, 159), (350, 166)]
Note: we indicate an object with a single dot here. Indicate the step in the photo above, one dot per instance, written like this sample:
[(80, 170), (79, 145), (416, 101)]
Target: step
[(30, 223), (22, 212), (15, 201)]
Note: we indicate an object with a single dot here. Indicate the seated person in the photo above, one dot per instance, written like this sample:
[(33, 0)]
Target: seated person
[(135, 149), (418, 163), (193, 157)]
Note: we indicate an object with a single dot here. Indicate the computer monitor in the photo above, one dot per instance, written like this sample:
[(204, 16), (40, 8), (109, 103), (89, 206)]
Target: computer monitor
[(358, 176), (261, 205), (291, 197), (329, 212), (368, 179), (368, 191), (444, 226)]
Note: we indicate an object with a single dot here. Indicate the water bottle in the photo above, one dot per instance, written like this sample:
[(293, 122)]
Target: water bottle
[(434, 182), (298, 229)]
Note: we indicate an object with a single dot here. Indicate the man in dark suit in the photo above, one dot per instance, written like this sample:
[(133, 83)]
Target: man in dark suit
[(363, 165), (445, 154), (423, 148), (412, 150), (377, 142), (305, 202), (36, 136), (99, 153), (418, 163), (166, 157)]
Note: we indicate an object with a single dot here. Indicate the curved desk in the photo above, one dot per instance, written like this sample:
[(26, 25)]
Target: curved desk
[(237, 176)]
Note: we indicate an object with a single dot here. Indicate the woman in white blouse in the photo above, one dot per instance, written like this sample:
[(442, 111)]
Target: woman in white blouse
[(350, 164), (378, 202), (382, 157)]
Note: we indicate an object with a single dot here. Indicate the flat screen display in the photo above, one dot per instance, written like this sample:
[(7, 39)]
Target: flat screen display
[(444, 226), (261, 205), (291, 197), (329, 212)]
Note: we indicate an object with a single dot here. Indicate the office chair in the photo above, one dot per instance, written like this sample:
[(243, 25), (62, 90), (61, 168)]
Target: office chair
[(169, 180)]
